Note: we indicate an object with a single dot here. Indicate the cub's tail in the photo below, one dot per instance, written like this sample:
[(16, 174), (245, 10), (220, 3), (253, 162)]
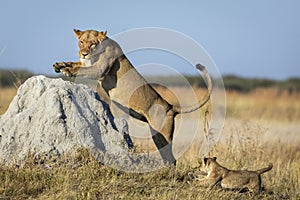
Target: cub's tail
[(265, 169), (188, 109)]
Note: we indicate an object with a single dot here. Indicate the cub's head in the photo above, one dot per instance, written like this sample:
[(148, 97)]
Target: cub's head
[(88, 42), (207, 164)]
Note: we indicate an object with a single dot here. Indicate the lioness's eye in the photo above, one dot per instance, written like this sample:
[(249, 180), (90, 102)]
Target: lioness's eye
[(93, 46)]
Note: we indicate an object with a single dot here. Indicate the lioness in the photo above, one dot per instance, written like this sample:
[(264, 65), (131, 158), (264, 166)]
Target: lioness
[(102, 59), (230, 179)]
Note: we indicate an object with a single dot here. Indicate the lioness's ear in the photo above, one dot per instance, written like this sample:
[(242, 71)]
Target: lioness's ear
[(104, 33), (205, 160), (102, 36), (77, 33)]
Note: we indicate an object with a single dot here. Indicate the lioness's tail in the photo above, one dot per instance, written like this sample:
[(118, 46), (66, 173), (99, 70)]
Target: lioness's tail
[(265, 169), (201, 103)]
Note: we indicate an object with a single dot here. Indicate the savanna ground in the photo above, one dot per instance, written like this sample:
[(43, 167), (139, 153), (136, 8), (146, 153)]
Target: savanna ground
[(261, 127)]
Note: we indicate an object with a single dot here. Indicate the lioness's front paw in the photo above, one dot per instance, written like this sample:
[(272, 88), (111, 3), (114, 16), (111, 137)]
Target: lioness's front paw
[(67, 71), (59, 65)]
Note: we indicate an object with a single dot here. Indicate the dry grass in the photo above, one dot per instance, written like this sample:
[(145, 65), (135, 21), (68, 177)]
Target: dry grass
[(6, 95), (256, 133), (271, 104)]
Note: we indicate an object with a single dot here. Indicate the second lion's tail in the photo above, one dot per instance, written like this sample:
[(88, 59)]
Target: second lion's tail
[(265, 169), (201, 103)]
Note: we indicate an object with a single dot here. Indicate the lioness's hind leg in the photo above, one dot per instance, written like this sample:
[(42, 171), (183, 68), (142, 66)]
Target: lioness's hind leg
[(168, 128), (163, 139), (161, 120), (165, 149)]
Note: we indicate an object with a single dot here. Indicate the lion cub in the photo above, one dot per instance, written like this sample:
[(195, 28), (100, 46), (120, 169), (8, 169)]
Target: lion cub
[(230, 179)]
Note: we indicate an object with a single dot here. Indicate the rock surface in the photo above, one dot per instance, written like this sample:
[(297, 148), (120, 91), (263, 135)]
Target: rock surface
[(52, 116)]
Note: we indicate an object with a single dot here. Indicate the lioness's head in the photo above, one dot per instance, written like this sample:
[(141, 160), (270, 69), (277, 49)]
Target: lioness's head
[(88, 42)]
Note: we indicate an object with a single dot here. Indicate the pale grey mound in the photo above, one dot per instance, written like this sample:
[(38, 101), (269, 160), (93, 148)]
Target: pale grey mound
[(54, 116), (51, 117)]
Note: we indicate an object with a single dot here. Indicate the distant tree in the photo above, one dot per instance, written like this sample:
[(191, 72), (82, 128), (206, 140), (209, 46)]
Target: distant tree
[(10, 78), (14, 78)]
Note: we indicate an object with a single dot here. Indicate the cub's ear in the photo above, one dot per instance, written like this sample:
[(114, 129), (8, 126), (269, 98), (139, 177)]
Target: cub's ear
[(214, 158), (205, 160), (200, 160), (77, 33)]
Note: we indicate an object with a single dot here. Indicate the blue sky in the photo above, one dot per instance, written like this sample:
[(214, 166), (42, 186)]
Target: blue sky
[(257, 38)]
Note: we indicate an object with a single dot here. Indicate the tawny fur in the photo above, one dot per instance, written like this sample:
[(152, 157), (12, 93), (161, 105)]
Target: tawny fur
[(230, 179)]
